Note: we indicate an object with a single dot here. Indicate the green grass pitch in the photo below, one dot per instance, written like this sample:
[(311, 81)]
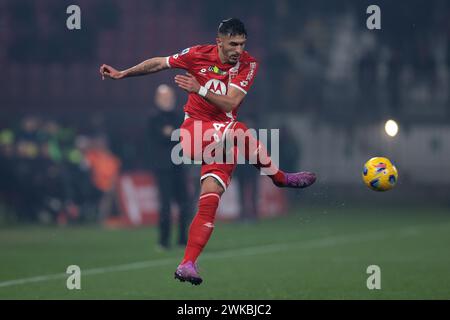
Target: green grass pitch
[(312, 253)]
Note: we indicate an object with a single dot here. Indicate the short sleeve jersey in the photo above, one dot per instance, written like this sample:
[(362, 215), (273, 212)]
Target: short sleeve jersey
[(204, 64)]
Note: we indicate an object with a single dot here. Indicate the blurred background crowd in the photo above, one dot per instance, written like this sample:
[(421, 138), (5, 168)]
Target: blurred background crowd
[(50, 172)]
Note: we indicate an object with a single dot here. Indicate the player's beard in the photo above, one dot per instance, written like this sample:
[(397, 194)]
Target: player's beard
[(233, 59)]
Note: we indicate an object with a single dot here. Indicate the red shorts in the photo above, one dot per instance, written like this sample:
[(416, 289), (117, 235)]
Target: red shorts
[(200, 134)]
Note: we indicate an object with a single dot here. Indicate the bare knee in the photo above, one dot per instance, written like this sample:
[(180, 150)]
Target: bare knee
[(211, 184)]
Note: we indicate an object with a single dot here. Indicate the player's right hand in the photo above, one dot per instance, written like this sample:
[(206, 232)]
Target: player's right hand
[(109, 72)]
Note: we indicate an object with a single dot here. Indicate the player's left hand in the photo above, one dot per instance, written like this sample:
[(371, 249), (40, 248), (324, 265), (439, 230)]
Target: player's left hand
[(187, 82)]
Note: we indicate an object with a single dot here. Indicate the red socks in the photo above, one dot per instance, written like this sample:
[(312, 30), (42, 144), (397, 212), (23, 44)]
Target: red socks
[(279, 178), (202, 226)]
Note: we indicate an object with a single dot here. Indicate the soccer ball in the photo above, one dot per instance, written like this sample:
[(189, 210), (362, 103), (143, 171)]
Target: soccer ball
[(380, 174)]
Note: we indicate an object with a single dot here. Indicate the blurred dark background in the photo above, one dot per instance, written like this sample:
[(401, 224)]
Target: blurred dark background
[(326, 80)]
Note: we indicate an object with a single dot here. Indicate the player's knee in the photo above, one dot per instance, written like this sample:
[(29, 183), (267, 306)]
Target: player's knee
[(211, 184), (243, 136)]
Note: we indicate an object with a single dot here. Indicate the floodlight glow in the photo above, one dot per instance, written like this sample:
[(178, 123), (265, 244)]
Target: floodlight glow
[(391, 128)]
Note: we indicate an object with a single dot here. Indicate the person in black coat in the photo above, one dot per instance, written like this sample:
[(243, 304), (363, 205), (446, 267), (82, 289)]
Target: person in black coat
[(172, 179)]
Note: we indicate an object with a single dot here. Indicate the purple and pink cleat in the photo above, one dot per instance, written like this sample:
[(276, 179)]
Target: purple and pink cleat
[(188, 271), (299, 180)]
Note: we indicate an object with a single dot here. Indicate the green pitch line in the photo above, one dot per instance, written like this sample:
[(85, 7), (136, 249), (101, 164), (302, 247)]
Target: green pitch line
[(248, 251), (314, 253)]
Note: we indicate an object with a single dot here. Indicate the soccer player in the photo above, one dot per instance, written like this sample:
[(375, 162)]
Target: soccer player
[(217, 80)]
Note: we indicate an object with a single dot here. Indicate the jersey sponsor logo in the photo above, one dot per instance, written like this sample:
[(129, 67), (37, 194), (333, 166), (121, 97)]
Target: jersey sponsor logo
[(216, 86), (252, 71), (216, 70), (185, 51)]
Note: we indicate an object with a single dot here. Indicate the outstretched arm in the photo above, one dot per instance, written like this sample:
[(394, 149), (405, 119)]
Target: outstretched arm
[(225, 103), (146, 67)]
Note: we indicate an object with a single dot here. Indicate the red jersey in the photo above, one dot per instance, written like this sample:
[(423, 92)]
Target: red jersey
[(204, 64)]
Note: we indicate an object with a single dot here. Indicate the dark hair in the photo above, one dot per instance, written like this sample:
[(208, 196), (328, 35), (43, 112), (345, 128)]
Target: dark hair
[(232, 27)]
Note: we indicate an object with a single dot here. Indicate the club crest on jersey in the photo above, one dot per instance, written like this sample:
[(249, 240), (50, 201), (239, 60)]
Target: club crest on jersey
[(216, 86), (234, 71), (216, 70)]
